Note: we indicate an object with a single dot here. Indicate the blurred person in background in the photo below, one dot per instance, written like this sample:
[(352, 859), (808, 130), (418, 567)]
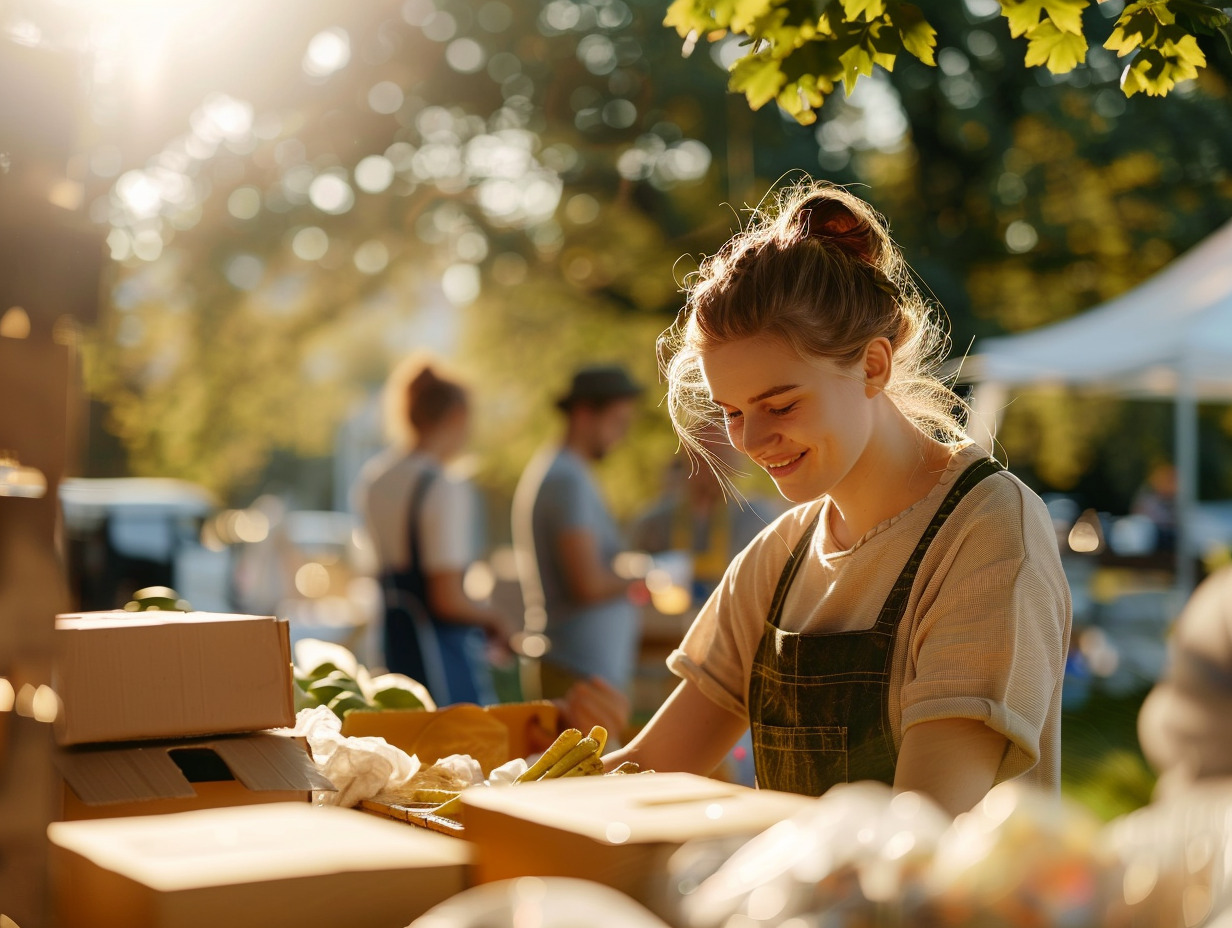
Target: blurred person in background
[(696, 519), (1185, 723), (565, 540), (695, 516), (423, 522), (1156, 499), (907, 621)]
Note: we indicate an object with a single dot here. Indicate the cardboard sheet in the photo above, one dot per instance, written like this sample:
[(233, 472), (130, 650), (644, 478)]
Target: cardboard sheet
[(145, 778)]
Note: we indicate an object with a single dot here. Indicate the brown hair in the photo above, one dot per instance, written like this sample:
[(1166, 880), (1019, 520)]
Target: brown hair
[(417, 398), (818, 270)]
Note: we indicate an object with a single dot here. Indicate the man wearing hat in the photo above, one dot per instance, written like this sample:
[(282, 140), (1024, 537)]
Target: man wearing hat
[(579, 620)]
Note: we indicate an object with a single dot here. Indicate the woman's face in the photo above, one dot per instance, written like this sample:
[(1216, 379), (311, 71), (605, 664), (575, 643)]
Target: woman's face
[(456, 427), (805, 422)]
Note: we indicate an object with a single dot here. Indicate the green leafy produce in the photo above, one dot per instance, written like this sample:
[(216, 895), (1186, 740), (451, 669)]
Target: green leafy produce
[(332, 684), (157, 599), (328, 684), (395, 697), (346, 702)]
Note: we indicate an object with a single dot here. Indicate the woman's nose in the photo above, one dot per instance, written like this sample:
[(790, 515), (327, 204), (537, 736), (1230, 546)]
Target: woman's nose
[(756, 435)]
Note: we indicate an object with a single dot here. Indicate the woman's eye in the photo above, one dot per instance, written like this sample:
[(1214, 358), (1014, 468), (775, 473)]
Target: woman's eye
[(784, 410), (730, 414)]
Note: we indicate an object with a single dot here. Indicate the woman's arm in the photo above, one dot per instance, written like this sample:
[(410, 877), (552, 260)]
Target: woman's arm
[(589, 579), (688, 734), (448, 601), (954, 761)]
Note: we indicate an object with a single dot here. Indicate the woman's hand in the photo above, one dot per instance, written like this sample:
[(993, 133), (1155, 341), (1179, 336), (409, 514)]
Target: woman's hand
[(688, 734), (594, 701)]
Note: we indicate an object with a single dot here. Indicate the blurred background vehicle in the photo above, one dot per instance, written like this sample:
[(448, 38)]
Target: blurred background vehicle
[(125, 533)]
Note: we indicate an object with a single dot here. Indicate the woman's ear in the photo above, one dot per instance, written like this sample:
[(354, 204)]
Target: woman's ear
[(878, 365)]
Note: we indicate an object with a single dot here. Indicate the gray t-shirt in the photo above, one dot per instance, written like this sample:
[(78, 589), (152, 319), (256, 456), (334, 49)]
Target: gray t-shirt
[(557, 493)]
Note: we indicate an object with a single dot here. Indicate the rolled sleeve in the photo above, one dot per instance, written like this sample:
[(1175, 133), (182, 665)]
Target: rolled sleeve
[(991, 646)]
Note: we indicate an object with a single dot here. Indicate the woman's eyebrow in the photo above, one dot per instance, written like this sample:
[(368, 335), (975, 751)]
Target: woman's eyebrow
[(773, 391)]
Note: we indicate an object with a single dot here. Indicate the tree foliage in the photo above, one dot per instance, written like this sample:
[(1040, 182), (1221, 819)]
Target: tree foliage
[(1019, 197), (798, 51)]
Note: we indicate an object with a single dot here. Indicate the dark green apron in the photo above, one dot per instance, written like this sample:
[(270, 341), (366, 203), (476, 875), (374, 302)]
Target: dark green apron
[(819, 704)]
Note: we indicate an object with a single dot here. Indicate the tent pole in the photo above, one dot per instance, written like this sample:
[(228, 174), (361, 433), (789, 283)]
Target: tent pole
[(1185, 450)]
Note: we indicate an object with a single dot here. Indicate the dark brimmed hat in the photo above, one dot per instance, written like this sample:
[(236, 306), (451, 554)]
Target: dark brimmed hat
[(599, 384)]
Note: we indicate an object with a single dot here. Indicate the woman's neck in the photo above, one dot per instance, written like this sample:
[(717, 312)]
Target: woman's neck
[(430, 446), (899, 467)]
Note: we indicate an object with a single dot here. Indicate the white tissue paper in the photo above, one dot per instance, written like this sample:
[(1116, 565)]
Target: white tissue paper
[(359, 767)]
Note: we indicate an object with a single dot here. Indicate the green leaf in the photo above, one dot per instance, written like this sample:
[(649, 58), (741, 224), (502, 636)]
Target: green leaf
[(1206, 18), (1185, 54), (1155, 71), (868, 9), (811, 74), (690, 16), (1025, 15), (918, 36), (1202, 14), (1059, 51), (883, 43), (746, 13), (857, 62), (1066, 15), (759, 77), (782, 36), (1137, 26)]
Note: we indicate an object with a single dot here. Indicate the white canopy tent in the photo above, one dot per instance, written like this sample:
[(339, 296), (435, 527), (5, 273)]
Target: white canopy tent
[(1169, 337)]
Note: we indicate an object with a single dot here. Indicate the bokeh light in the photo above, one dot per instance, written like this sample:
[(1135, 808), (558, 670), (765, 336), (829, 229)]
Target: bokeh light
[(465, 55), (328, 51), (371, 257), (385, 97), (460, 283), (374, 174), (330, 193), (310, 243), (244, 202), (244, 272)]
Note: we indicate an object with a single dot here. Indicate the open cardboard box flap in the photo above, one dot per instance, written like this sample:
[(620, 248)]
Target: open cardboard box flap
[(113, 774), (640, 808), (125, 676)]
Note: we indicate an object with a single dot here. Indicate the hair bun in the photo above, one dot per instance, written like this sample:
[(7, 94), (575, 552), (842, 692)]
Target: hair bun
[(832, 221)]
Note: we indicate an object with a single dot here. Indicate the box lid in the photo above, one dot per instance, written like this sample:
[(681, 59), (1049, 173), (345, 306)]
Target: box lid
[(104, 775), (125, 676), (252, 844), (640, 808)]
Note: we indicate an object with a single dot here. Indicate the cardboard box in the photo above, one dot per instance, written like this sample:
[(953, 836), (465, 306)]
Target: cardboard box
[(284, 865), (156, 778), (615, 830), (491, 734), (126, 676)]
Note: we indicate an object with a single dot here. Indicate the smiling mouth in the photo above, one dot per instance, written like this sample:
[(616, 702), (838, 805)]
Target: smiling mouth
[(782, 464)]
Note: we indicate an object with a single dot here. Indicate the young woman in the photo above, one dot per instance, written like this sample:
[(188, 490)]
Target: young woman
[(908, 620), (422, 522)]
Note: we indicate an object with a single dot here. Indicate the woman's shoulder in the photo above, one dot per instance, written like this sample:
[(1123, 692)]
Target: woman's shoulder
[(1003, 506)]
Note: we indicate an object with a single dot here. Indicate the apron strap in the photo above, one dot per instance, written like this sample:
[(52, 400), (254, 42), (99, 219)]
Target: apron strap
[(896, 602), (789, 571)]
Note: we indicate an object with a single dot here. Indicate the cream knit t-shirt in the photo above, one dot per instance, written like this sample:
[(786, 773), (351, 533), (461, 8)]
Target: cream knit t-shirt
[(984, 635)]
